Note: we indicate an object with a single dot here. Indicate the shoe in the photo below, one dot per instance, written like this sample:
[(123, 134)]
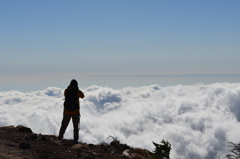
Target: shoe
[(60, 137), (75, 142)]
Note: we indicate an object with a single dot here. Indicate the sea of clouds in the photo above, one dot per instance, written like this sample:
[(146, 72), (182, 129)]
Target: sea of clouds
[(198, 120)]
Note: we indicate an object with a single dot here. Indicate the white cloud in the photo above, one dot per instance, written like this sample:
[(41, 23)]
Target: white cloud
[(197, 120)]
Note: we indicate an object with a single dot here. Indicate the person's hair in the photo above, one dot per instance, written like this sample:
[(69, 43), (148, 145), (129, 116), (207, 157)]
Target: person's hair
[(74, 83)]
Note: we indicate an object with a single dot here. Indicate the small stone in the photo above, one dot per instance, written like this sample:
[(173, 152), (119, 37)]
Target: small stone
[(26, 138), (24, 146), (33, 137), (23, 129), (126, 153), (11, 145), (91, 145), (80, 146), (44, 138), (9, 127)]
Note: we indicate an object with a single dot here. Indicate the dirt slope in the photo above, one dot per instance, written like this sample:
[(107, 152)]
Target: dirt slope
[(21, 143)]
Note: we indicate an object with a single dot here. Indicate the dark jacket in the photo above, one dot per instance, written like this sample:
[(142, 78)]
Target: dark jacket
[(80, 95)]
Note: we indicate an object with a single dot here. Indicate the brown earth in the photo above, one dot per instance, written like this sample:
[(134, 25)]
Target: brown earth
[(21, 143)]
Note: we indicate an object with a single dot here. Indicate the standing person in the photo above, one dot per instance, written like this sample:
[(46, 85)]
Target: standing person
[(71, 110)]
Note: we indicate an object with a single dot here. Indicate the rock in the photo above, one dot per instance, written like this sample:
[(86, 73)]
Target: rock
[(120, 147), (124, 146), (10, 145), (23, 129), (26, 138), (9, 127), (141, 152), (42, 137), (34, 137), (136, 156), (80, 146), (126, 153), (91, 145), (24, 146), (31, 137)]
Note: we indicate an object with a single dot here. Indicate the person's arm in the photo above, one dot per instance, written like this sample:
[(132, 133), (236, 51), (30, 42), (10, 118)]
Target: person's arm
[(65, 92), (80, 94)]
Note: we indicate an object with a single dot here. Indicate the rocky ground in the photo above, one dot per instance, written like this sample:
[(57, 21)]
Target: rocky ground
[(21, 143)]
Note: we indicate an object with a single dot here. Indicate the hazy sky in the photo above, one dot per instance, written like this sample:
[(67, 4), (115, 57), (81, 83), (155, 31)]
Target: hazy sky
[(125, 37)]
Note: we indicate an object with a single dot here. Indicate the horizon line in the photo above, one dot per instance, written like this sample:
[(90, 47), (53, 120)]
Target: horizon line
[(120, 74)]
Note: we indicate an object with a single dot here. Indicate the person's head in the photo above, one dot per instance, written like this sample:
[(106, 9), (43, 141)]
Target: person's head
[(74, 83)]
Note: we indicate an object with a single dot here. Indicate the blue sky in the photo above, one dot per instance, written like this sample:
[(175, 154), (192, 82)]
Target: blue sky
[(83, 38)]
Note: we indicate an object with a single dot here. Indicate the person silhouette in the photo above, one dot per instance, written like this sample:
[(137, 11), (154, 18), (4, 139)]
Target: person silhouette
[(71, 111)]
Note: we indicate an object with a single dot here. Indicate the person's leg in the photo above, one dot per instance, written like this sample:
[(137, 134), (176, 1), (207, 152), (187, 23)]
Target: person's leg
[(65, 122), (76, 121)]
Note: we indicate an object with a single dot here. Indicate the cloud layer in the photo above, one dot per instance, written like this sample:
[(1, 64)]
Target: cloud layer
[(198, 120)]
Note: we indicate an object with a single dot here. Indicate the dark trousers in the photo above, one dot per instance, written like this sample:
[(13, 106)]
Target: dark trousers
[(65, 122)]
